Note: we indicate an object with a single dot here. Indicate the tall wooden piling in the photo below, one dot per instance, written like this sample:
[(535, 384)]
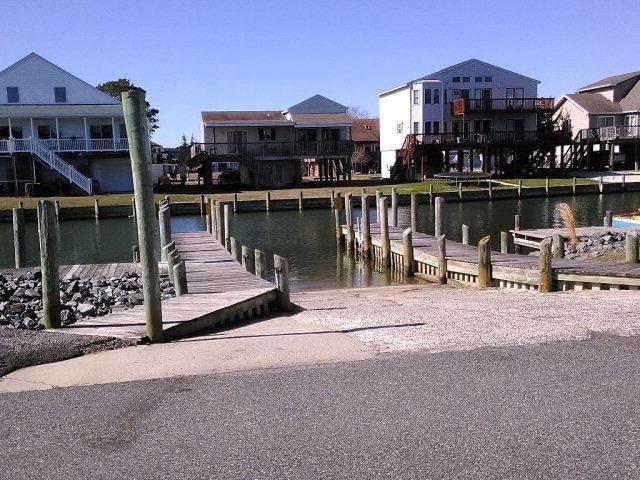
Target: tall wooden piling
[(137, 132), (300, 200), (228, 226), (557, 246), (281, 267), (248, 261), (460, 191), (220, 233), (394, 207), (235, 202), (407, 252), (348, 213), (438, 216), (516, 226), (378, 197), (608, 218), (484, 263), (19, 246), (234, 249), (180, 276), (164, 223), (631, 247), (546, 186), (267, 201), (414, 212), (465, 234), (504, 242), (545, 282), (442, 259), (96, 208), (207, 221), (48, 237), (490, 189), (260, 263), (56, 206), (573, 185), (519, 188), (384, 233), (333, 197), (600, 184), (430, 193), (366, 228), (203, 205), (338, 205)]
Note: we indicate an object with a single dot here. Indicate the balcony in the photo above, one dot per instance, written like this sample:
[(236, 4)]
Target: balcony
[(274, 150), (12, 145), (477, 140), (463, 106)]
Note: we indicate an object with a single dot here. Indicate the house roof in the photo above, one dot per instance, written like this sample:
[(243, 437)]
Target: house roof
[(594, 103), (432, 76), (610, 81), (359, 132), (631, 102), (320, 119), (257, 117), (317, 104), (60, 110)]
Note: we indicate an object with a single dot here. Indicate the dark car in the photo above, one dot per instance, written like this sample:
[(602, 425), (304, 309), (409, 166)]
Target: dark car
[(229, 177)]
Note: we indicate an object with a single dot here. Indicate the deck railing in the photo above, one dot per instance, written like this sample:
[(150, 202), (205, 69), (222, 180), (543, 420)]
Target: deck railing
[(481, 138), (607, 134), (275, 149), (470, 105), (12, 145)]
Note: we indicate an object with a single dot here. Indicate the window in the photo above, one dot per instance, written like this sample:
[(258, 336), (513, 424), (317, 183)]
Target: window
[(436, 127), (60, 94), (460, 93), (488, 79), (45, 132), (416, 97), (416, 127), (427, 128), (604, 122), (367, 127), (13, 95), (399, 128), (266, 134), (100, 131), (515, 92), (436, 96), (456, 79), (16, 132), (478, 79), (466, 79), (427, 95)]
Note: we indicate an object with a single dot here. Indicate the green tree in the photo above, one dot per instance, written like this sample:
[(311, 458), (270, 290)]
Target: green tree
[(115, 88)]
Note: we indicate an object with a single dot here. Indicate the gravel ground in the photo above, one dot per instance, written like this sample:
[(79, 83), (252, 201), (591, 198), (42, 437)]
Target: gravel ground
[(437, 319), (23, 348)]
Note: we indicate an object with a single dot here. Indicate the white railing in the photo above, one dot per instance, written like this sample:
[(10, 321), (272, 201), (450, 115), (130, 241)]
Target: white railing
[(608, 133), (62, 167), (67, 145)]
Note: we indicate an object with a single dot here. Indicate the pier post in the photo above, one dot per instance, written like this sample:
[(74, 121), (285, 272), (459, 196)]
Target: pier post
[(214, 220), (545, 282), (484, 263), (430, 193), (18, 237), (557, 245), (438, 216), (281, 267), (600, 184), (337, 209), (348, 213), (133, 208), (574, 184), (228, 226), (516, 226), (300, 200), (623, 183), (504, 242), (48, 237), (442, 260), (56, 206), (260, 263), (164, 223), (460, 190), (180, 276), (167, 253), (203, 205), (234, 249), (333, 197), (384, 233), (207, 221), (631, 247), (414, 212), (135, 254), (220, 233), (394, 207), (465, 234), (235, 202), (608, 218), (519, 188), (248, 261), (546, 186), (378, 197), (136, 122), (96, 208), (490, 189), (366, 228), (407, 253), (267, 201)]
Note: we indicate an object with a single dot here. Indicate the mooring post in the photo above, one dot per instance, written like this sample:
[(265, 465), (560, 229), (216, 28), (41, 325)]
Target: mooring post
[(167, 253), (267, 201), (623, 183), (220, 233), (460, 190), (281, 267), (378, 197), (438, 216), (484, 263), (234, 249), (557, 245), (407, 252), (228, 226), (338, 205), (414, 212), (631, 247), (135, 254), (260, 263), (214, 220), (430, 193), (133, 207), (333, 197), (516, 227), (504, 242), (207, 221), (545, 282), (19, 246), (203, 205), (180, 275), (56, 206), (608, 218), (574, 183), (546, 186), (48, 237), (519, 188), (384, 233), (164, 223), (442, 259), (348, 213), (394, 207), (136, 122), (300, 200), (247, 259), (600, 184), (235, 202), (490, 189), (366, 228), (465, 234), (96, 208)]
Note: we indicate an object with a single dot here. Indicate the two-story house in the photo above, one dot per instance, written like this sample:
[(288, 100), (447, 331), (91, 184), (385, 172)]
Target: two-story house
[(466, 106), (59, 132), (365, 133), (599, 116), (274, 149)]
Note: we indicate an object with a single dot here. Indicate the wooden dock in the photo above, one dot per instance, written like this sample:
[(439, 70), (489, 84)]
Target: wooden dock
[(507, 270), (85, 271), (531, 238)]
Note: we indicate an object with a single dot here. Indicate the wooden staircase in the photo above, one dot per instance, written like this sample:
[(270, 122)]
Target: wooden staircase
[(404, 158)]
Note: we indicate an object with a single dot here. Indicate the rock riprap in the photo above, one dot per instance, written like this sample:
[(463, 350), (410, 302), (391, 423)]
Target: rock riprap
[(21, 297), (594, 246)]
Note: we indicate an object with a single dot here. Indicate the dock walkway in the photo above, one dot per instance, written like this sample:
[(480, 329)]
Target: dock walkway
[(532, 237)]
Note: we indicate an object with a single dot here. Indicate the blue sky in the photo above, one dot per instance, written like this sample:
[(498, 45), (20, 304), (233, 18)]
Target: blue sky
[(194, 55)]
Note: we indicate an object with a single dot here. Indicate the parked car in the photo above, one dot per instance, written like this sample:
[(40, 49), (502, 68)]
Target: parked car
[(229, 177)]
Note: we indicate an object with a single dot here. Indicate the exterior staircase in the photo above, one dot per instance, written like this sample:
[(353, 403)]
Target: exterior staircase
[(404, 158), (52, 160)]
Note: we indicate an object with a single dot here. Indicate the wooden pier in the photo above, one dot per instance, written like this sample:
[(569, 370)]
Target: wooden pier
[(531, 238), (85, 271)]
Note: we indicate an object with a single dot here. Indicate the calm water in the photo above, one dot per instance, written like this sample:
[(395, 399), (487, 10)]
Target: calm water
[(306, 239)]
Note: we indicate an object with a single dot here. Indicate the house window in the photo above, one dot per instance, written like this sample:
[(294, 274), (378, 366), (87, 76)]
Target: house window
[(605, 122), (367, 127), (466, 79), (436, 127), (416, 127), (266, 134), (399, 128), (427, 95), (60, 94), (478, 79), (13, 95), (100, 131), (416, 97), (427, 128), (45, 132), (436, 96), (16, 132), (488, 79), (460, 93), (456, 79)]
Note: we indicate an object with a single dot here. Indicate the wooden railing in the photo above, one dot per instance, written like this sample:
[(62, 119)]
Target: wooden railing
[(469, 105), (607, 134), (482, 138), (275, 149), (12, 145)]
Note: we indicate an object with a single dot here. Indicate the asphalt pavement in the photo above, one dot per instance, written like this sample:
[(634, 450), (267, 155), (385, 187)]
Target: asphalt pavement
[(563, 410)]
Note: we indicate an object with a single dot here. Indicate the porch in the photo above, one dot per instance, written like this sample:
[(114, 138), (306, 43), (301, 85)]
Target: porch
[(274, 150), (463, 106)]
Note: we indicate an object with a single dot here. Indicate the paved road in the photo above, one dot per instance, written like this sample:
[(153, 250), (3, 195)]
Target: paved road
[(562, 410)]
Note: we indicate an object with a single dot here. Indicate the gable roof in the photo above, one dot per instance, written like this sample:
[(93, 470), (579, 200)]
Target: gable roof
[(317, 104), (609, 81), (593, 103), (255, 117), (359, 132), (631, 102), (434, 75), (320, 119), (34, 57)]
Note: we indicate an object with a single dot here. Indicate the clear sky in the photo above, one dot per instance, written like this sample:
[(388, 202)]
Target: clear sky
[(194, 55)]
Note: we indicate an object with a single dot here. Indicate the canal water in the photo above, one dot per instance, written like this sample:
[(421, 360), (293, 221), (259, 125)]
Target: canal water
[(307, 238)]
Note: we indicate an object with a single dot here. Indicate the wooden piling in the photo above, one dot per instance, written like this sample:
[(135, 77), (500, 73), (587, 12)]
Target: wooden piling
[(574, 184), (337, 209), (442, 259), (519, 188), (348, 213), (133, 207), (56, 206), (430, 193), (333, 197), (623, 184), (136, 122), (180, 276), (557, 246), (234, 249), (546, 186), (164, 223), (460, 191), (394, 207), (484, 263), (281, 267), (378, 197), (235, 202), (260, 263), (407, 252), (465, 234), (248, 261), (631, 247), (384, 233), (96, 208), (267, 201), (135, 254), (438, 216), (300, 200), (504, 242), (600, 184), (19, 246), (490, 189), (220, 233), (207, 221), (228, 226), (366, 228), (545, 282), (608, 218), (203, 205), (516, 226), (48, 238), (414, 212)]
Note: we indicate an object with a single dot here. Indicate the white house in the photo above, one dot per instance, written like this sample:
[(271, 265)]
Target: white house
[(272, 148), (57, 130), (466, 104)]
